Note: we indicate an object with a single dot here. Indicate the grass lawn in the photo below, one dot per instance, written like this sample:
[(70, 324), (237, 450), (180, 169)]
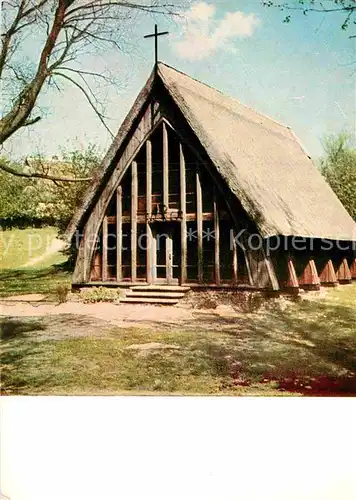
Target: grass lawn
[(17, 248), (306, 348)]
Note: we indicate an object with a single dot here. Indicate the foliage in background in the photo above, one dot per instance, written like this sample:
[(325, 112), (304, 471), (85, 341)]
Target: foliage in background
[(339, 169), (18, 200), (33, 200), (346, 8), (62, 198)]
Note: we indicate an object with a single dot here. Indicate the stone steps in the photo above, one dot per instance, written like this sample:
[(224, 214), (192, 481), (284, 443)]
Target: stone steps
[(149, 300), (155, 294), (167, 295), (159, 288)]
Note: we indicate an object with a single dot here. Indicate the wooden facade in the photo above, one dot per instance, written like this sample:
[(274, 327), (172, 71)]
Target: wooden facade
[(163, 214), (167, 221)]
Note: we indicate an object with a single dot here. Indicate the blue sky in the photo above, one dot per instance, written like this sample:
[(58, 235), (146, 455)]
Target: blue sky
[(297, 73)]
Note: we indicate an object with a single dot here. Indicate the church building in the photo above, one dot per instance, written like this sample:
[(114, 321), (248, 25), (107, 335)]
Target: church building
[(199, 190)]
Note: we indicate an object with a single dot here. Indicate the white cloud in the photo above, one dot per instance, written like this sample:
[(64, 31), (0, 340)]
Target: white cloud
[(202, 33)]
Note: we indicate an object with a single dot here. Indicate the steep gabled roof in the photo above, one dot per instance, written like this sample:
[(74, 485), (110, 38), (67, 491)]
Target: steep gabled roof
[(261, 160)]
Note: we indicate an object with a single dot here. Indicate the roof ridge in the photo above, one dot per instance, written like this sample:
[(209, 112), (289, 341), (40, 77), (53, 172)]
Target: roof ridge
[(195, 79), (226, 96)]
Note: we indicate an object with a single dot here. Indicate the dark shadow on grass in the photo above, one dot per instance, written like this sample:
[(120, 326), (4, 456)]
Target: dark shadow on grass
[(16, 329), (18, 347), (20, 281), (310, 349), (8, 274), (327, 338)]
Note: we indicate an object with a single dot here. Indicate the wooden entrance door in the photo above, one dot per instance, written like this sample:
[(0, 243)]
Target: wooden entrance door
[(166, 254)]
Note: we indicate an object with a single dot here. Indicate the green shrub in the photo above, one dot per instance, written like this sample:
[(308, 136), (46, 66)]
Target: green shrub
[(339, 169), (33, 199), (61, 292)]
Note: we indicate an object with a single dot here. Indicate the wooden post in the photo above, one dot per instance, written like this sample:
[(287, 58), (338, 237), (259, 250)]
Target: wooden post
[(343, 273), (169, 258), (183, 208), (86, 268), (234, 259), (328, 275), (217, 238), (353, 269), (149, 178), (199, 226), (165, 168), (149, 254), (309, 277), (104, 269), (292, 281), (149, 240), (119, 234), (134, 202)]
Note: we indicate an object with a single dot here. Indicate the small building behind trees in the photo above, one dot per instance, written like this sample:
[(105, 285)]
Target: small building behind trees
[(200, 190)]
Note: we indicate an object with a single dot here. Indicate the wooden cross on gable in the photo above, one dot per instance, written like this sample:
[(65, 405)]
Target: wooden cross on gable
[(156, 35)]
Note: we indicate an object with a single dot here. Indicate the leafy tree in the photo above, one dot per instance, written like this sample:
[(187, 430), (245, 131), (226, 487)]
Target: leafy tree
[(39, 198), (18, 200), (339, 169), (64, 197), (330, 7)]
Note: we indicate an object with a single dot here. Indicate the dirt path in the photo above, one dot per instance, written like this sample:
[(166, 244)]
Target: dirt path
[(73, 319), (119, 315)]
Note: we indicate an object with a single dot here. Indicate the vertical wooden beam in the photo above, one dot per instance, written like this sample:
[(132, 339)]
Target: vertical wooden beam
[(149, 239), (169, 258), (86, 268), (149, 178), (199, 226), (134, 203), (292, 281), (154, 255), (104, 269), (149, 254), (119, 234), (235, 269), (165, 168), (247, 257), (183, 209), (217, 238), (270, 276)]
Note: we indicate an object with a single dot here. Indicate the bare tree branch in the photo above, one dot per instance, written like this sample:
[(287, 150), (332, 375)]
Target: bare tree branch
[(26, 100), (32, 121), (333, 6), (70, 29), (97, 112), (37, 175)]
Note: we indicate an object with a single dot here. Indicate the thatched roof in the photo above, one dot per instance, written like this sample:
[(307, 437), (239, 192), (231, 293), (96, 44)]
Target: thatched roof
[(261, 160)]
